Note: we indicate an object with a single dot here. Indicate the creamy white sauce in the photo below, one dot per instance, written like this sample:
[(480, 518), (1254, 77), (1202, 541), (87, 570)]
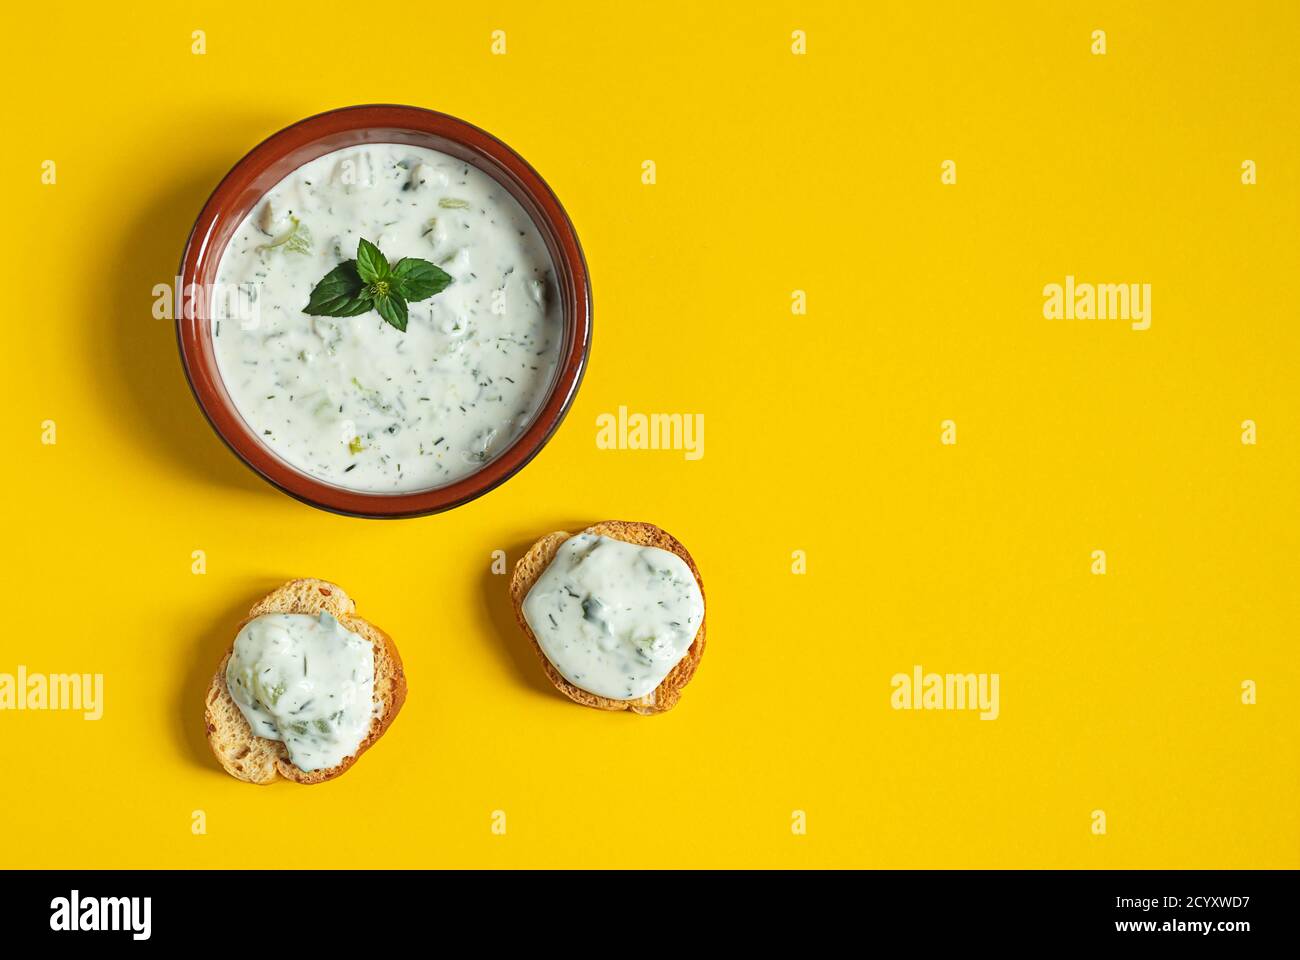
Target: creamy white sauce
[(353, 401), (306, 681), (614, 618)]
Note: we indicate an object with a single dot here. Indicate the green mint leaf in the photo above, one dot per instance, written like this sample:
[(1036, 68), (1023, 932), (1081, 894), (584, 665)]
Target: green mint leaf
[(339, 290), (355, 307), (416, 279), (393, 309), (371, 264), (369, 283)]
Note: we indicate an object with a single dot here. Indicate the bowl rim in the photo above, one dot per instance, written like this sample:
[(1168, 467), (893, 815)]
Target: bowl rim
[(557, 230)]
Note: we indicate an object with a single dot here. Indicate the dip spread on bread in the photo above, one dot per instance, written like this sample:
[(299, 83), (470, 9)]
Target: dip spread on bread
[(306, 681), (352, 400), (612, 617)]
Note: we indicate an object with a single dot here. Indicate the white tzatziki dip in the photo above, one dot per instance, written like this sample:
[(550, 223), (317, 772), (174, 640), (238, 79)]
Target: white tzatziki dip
[(614, 618), (354, 401), (306, 681)]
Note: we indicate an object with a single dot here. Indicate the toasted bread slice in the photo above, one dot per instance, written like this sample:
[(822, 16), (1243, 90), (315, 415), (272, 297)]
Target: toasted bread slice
[(539, 556), (255, 759)]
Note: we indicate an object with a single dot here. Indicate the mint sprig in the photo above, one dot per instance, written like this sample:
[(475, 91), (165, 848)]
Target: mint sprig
[(369, 283)]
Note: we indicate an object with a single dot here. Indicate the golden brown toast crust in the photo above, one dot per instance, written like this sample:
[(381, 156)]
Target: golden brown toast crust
[(531, 566), (255, 759)]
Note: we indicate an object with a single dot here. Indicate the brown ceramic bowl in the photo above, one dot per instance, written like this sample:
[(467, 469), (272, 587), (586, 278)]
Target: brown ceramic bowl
[(276, 157)]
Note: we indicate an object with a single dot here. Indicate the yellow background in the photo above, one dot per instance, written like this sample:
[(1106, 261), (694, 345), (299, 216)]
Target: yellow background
[(775, 173)]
